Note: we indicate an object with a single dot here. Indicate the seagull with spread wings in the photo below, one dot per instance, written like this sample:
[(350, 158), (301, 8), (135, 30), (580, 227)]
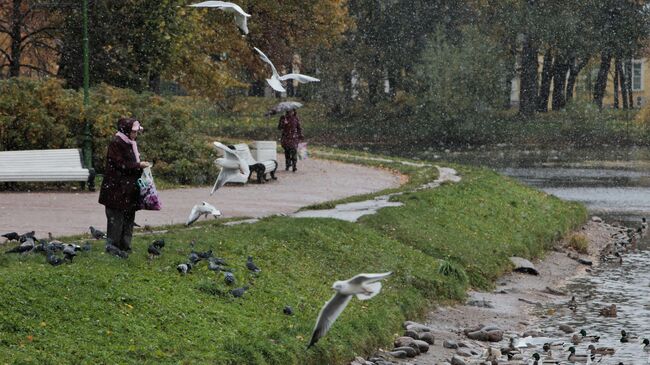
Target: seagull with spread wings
[(275, 80), (241, 16), (364, 286), (231, 166), (203, 209)]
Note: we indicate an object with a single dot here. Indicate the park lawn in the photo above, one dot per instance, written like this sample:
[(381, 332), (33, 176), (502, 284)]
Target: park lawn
[(101, 309)]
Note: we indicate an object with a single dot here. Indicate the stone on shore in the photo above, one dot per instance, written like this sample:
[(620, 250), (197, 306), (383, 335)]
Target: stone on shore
[(596, 219), (410, 351), (423, 346), (398, 354), (533, 333), (403, 341), (449, 344), (417, 327), (463, 353), (412, 334), (456, 360), (494, 335), (523, 265), (427, 337)]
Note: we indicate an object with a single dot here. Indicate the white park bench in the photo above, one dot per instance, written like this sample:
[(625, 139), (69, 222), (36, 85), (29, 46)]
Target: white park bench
[(45, 166), (261, 168)]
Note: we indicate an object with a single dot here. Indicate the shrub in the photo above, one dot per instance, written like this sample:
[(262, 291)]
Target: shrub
[(44, 115), (578, 242)]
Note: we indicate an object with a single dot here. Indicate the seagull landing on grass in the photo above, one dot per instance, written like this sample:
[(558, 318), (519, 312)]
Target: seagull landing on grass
[(231, 166), (241, 16), (364, 286), (203, 209), (275, 80)]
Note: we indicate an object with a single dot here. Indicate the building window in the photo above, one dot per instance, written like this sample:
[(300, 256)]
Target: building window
[(637, 75)]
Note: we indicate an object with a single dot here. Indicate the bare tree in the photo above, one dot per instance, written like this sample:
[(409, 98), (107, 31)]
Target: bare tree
[(27, 37)]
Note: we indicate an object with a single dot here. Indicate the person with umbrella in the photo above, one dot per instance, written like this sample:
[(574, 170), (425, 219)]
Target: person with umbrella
[(291, 136)]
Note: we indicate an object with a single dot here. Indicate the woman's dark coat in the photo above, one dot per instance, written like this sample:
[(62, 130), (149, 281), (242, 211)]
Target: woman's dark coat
[(291, 131), (119, 186)]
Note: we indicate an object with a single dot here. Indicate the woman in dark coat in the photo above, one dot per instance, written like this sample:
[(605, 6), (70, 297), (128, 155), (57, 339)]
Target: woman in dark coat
[(120, 191), (291, 136)]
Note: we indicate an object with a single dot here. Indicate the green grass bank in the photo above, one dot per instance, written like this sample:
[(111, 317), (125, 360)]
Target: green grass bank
[(103, 310)]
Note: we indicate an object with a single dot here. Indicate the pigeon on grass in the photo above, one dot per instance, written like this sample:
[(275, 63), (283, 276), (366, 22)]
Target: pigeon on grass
[(26, 236), (239, 292), (26, 246), (96, 233), (158, 243), (153, 251), (69, 252), (251, 266), (114, 250), (53, 259), (184, 268), (364, 286), (229, 278)]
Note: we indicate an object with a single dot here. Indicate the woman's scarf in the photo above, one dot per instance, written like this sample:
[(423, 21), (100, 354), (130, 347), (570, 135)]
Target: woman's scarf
[(133, 144)]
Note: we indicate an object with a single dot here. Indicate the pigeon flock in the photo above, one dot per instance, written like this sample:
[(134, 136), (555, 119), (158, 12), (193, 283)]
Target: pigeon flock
[(28, 244)]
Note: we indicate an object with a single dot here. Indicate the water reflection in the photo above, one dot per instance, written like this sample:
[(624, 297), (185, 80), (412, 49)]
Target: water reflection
[(627, 286)]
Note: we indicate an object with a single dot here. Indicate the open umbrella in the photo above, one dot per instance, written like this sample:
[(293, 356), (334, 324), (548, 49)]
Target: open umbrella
[(283, 107)]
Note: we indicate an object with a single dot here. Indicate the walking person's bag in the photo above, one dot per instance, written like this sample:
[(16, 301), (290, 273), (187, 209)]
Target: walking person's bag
[(302, 151), (149, 198)]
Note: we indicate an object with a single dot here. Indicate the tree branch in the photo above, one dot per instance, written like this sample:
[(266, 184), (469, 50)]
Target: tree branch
[(35, 68), (7, 56), (38, 31)]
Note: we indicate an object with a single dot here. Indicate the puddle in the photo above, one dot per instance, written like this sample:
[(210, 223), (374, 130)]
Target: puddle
[(350, 212)]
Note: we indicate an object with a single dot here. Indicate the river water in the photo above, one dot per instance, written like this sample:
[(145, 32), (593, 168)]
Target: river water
[(614, 184)]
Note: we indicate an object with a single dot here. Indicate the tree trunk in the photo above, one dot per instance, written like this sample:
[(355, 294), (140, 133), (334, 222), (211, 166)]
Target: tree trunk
[(560, 69), (601, 79), (154, 82), (622, 82), (628, 82), (617, 75), (545, 86), (16, 25), (574, 70), (528, 78)]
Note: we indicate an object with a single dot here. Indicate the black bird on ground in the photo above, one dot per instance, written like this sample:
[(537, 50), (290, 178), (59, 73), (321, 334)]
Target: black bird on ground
[(158, 243), (239, 292), (87, 246), (205, 255), (218, 261), (69, 252), (24, 247), (194, 258), (11, 236), (251, 266), (114, 250), (153, 250), (213, 266), (287, 310), (184, 268), (27, 235), (96, 233), (53, 259), (229, 278)]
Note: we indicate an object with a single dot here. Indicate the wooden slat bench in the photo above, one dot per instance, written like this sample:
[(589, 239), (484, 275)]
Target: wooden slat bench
[(45, 166)]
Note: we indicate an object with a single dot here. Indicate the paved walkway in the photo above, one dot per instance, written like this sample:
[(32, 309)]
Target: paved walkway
[(316, 181)]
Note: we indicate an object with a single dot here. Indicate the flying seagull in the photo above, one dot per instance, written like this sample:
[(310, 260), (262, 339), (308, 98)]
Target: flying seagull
[(203, 209), (240, 15), (364, 286), (275, 79), (231, 166)]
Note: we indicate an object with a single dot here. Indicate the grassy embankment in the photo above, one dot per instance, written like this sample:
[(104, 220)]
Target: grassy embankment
[(101, 309)]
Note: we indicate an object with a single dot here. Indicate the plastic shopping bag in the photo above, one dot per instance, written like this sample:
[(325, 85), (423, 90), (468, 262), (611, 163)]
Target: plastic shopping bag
[(149, 198), (302, 151)]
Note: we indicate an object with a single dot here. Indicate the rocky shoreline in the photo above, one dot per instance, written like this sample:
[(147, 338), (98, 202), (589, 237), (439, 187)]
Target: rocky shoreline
[(465, 334)]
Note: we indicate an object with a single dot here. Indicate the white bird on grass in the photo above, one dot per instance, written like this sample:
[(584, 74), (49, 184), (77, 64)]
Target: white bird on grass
[(241, 16), (364, 286), (275, 80), (203, 209), (231, 166)]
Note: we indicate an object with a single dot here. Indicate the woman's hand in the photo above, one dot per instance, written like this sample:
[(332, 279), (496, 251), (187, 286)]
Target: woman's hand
[(144, 164)]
